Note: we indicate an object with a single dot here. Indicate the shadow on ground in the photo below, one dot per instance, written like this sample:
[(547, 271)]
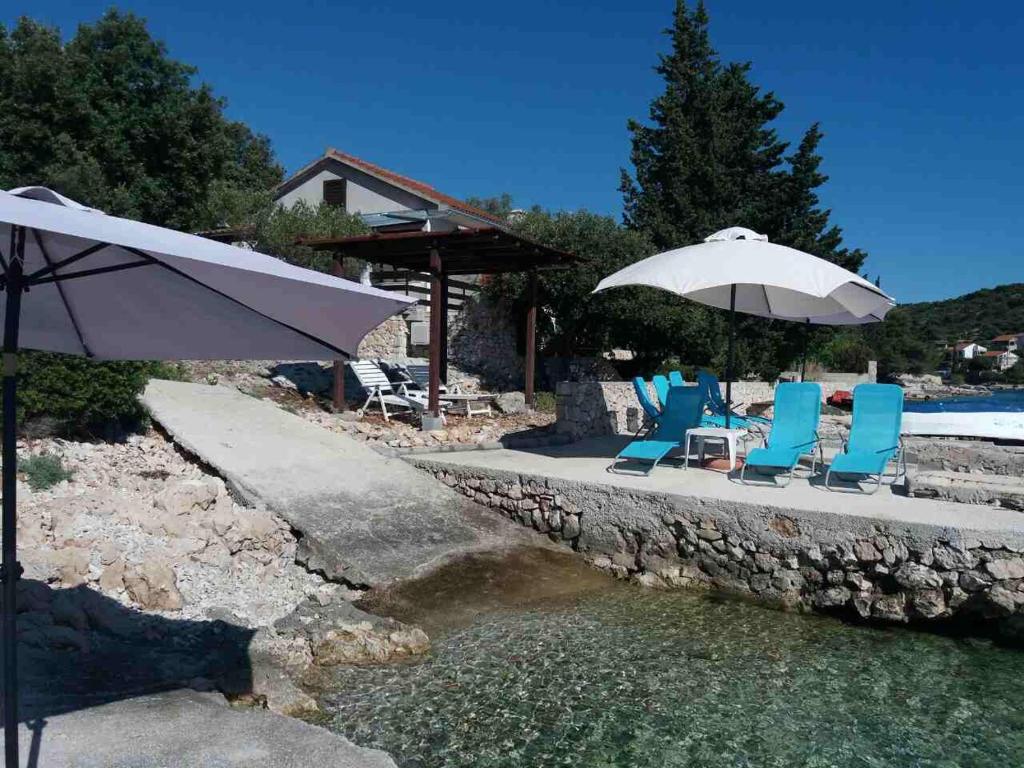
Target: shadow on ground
[(78, 649)]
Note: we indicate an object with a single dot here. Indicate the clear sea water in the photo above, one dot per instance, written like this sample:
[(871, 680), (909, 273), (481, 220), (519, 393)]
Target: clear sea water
[(588, 672), (1000, 400)]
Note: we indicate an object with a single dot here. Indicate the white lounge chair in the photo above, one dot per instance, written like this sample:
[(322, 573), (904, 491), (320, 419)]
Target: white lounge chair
[(474, 403), (377, 387)]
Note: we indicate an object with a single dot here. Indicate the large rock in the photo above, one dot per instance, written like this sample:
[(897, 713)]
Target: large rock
[(153, 586), (511, 402), (1006, 568)]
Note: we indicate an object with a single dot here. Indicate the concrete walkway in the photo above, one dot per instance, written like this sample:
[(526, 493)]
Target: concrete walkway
[(364, 518), (186, 729)]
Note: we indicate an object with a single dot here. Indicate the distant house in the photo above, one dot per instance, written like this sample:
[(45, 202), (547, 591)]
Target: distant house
[(1002, 360), (387, 201), (968, 350), (1008, 342)]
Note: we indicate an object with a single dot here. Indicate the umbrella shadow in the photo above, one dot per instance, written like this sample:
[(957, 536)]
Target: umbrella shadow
[(79, 649)]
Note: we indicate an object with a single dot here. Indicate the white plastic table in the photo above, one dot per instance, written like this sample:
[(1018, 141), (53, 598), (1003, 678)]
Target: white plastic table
[(728, 436)]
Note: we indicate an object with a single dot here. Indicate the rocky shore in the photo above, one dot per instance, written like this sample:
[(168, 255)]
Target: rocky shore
[(142, 561)]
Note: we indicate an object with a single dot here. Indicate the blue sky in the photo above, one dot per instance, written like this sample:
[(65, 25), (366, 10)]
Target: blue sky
[(921, 103)]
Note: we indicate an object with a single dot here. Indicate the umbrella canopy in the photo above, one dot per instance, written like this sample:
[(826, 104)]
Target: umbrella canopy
[(77, 281), (112, 288), (739, 270), (770, 280)]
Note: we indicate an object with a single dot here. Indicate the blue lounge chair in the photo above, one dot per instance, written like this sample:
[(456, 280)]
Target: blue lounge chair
[(794, 430), (643, 395), (661, 386), (717, 407), (874, 434), (682, 411)]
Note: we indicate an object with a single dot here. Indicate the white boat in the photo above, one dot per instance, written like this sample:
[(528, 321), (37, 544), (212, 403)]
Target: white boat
[(999, 425)]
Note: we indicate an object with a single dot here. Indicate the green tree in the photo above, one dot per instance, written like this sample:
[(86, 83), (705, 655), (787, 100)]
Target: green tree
[(275, 230), (709, 158), (111, 120)]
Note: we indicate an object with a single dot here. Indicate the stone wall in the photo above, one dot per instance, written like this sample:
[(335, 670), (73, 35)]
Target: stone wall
[(861, 567), (482, 341), (587, 409), (388, 341)]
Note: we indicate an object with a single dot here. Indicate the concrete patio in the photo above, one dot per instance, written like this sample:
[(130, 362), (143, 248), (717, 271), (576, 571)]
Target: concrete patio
[(587, 461)]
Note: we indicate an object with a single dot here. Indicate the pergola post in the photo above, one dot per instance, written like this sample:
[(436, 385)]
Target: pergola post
[(436, 323), (444, 328), (531, 337), (338, 384)]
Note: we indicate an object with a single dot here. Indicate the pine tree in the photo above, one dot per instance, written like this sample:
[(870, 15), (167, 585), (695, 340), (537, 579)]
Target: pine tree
[(709, 159), (800, 222)]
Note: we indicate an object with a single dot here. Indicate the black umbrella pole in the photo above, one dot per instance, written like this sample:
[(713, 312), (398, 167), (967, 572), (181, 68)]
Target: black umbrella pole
[(10, 570), (803, 364), (731, 362)]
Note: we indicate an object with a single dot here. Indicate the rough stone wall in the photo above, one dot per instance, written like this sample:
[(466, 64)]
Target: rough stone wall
[(862, 567), (482, 342), (389, 340), (587, 409)]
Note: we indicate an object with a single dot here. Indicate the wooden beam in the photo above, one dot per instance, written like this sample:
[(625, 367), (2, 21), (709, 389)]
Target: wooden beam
[(531, 338), (437, 310), (338, 384)]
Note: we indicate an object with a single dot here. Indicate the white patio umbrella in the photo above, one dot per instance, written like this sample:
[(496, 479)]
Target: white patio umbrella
[(739, 270), (77, 281)]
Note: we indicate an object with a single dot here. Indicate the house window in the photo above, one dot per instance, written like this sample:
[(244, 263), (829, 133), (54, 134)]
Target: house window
[(334, 193)]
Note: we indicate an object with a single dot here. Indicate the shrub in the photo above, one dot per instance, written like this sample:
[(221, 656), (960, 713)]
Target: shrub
[(82, 397), (44, 471), (544, 402)]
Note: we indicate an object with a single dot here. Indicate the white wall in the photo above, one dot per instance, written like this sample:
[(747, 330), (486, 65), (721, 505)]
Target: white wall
[(363, 193)]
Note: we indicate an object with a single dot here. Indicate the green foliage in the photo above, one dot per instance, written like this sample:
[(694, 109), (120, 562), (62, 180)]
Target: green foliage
[(275, 230), (44, 471), (846, 352), (110, 120), (1015, 375), (500, 206), (544, 402), (979, 316), (83, 397)]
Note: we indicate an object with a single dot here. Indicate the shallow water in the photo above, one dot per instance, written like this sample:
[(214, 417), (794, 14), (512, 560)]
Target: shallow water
[(620, 676)]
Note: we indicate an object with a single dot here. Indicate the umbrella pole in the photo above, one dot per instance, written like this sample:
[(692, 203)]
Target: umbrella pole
[(730, 363), (10, 571), (803, 364)]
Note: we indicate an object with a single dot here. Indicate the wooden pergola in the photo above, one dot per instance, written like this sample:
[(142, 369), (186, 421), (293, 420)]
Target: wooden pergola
[(441, 255)]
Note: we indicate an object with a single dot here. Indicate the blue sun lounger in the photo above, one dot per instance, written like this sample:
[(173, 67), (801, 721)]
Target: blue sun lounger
[(643, 396), (794, 430), (874, 434), (682, 411), (717, 406)]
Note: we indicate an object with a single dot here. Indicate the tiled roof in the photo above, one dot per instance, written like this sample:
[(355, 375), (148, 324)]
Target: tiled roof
[(404, 182), (1007, 337)]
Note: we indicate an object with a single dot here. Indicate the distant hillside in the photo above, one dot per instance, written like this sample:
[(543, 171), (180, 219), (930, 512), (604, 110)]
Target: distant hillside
[(978, 316)]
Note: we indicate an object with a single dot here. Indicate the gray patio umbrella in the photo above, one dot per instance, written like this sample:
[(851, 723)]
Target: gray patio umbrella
[(77, 281), (739, 270)]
